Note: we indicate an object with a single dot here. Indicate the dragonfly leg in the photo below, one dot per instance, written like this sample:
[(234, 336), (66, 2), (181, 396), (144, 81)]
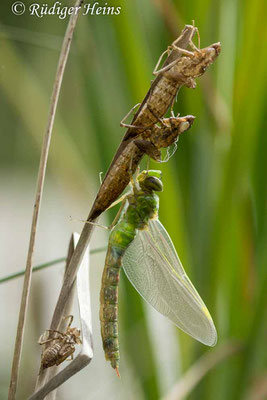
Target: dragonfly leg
[(130, 125), (70, 321), (175, 47), (45, 341), (169, 66), (130, 171), (50, 339), (157, 71), (96, 224), (193, 31), (100, 177), (120, 199), (90, 222), (117, 217), (172, 113), (69, 359), (198, 37), (193, 46), (55, 331), (183, 51)]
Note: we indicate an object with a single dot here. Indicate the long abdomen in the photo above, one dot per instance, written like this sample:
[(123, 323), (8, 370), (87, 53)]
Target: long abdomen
[(120, 239)]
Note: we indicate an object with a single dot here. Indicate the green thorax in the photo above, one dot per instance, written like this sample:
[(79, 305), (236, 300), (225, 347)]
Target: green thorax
[(141, 207)]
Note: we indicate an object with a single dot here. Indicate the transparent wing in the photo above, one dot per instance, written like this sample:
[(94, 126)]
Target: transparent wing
[(154, 269)]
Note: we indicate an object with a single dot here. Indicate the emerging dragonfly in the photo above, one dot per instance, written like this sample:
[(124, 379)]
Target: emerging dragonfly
[(140, 243)]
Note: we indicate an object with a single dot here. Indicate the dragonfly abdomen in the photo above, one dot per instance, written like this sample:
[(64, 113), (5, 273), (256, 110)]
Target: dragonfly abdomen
[(120, 239), (56, 354)]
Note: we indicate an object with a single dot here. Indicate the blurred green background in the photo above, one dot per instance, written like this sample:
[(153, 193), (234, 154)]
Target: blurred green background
[(214, 199)]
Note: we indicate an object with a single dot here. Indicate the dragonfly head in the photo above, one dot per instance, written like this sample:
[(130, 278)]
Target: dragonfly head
[(150, 180), (76, 335)]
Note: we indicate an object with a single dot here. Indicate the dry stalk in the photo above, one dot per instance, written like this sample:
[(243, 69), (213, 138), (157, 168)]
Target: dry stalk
[(40, 184)]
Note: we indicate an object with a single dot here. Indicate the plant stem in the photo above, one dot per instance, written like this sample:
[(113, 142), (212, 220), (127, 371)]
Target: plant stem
[(34, 269), (45, 265), (36, 210)]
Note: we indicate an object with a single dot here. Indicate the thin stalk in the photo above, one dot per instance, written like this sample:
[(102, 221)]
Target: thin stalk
[(34, 269), (45, 265), (36, 210)]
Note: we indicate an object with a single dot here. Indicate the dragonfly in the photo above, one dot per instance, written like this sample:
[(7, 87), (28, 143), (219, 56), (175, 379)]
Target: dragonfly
[(140, 244)]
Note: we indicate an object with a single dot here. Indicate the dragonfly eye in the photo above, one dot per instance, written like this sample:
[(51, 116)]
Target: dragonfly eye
[(152, 183)]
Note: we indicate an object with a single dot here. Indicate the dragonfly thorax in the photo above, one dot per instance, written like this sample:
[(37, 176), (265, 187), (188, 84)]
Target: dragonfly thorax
[(142, 207)]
